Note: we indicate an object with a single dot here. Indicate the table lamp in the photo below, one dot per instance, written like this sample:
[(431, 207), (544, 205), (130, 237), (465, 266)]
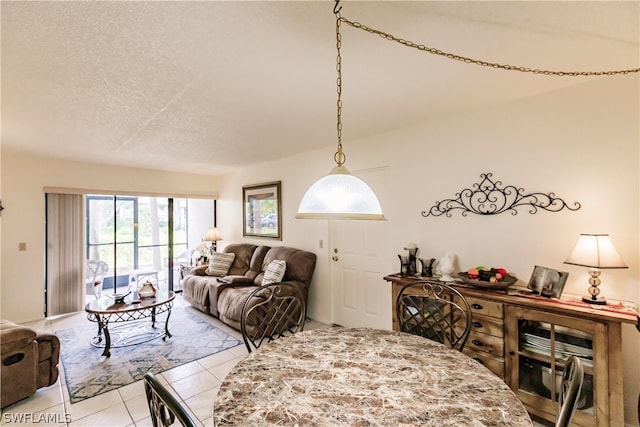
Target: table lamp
[(212, 236), (595, 251)]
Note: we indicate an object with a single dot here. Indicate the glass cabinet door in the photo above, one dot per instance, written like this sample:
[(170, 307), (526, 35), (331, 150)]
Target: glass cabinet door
[(537, 358)]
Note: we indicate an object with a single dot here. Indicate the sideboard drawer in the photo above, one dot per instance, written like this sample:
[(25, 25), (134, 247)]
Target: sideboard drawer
[(487, 325), (494, 364), (485, 343), (485, 307)]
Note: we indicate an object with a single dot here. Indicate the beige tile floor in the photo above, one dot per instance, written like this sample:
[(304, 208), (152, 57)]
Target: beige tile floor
[(195, 384)]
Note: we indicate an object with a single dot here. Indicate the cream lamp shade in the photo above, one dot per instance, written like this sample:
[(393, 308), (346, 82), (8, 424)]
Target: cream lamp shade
[(597, 252), (212, 235)]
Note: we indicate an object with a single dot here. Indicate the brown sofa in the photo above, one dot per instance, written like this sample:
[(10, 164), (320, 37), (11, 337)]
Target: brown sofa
[(29, 361), (223, 297)]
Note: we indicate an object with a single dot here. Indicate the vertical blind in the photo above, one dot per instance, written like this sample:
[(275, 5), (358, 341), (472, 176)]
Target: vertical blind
[(65, 253)]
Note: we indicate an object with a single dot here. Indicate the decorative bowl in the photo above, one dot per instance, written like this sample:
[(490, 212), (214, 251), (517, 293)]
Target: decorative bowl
[(503, 284), (147, 290)]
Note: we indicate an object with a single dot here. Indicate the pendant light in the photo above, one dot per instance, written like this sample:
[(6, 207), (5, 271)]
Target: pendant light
[(339, 195)]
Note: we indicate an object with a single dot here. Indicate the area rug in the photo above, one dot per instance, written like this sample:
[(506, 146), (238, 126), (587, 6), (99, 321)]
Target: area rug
[(89, 374)]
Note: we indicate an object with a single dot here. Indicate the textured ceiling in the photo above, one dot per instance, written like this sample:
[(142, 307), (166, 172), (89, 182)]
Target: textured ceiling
[(210, 86)]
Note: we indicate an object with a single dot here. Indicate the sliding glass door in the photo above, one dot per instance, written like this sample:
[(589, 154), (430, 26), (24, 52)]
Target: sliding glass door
[(136, 233)]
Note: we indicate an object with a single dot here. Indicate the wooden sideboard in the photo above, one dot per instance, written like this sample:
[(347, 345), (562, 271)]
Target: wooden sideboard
[(516, 336)]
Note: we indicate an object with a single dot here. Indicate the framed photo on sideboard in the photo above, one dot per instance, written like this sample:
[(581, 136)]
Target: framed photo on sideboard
[(547, 282)]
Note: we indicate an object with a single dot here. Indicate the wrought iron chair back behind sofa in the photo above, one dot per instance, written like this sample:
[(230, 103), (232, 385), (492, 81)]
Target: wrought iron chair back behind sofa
[(270, 312)]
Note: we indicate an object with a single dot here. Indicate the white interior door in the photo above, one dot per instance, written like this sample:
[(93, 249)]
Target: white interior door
[(361, 257)]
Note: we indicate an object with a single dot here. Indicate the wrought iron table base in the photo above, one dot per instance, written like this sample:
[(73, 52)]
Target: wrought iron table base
[(126, 334), (134, 336)]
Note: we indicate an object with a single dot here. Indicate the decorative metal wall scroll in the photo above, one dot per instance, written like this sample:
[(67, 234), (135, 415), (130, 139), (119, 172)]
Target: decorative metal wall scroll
[(491, 198)]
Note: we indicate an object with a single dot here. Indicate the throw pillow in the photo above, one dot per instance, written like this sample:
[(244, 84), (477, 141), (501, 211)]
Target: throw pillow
[(220, 263), (274, 272), (200, 270)]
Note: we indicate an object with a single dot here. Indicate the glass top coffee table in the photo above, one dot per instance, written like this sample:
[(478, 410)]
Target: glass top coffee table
[(108, 310)]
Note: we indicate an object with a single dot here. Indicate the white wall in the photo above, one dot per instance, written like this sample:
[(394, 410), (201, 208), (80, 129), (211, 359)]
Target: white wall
[(581, 143), (23, 180), (201, 217)]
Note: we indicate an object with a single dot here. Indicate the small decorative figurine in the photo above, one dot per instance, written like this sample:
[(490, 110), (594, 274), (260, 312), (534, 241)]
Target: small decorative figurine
[(445, 267)]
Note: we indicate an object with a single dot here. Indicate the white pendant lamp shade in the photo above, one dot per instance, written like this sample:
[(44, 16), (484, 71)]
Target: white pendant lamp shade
[(340, 195)]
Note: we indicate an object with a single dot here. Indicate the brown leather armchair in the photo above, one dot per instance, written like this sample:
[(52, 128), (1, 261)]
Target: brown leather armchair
[(29, 361)]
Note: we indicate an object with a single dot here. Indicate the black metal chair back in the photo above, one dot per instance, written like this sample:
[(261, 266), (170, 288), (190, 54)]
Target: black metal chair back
[(572, 379), (270, 312), (164, 408), (434, 310)]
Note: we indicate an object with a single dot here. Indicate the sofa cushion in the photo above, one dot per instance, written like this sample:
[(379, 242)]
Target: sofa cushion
[(220, 263), (257, 261), (300, 263), (244, 252), (274, 272), (195, 289), (230, 303)]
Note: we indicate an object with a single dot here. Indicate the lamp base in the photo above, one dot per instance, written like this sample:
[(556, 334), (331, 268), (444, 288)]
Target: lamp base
[(597, 301)]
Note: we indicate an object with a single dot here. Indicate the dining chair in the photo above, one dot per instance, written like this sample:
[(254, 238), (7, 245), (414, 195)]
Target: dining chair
[(270, 312), (434, 310), (572, 378), (164, 408)]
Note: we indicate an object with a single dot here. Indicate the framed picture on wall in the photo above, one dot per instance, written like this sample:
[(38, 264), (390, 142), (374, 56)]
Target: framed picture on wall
[(261, 208), (547, 282)]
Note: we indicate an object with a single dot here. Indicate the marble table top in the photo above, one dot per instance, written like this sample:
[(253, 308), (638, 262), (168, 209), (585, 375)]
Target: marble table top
[(364, 377)]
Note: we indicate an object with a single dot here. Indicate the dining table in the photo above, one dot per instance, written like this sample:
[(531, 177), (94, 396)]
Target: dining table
[(339, 376)]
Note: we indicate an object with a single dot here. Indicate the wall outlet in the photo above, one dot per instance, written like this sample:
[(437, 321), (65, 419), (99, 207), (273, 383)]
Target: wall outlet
[(22, 246)]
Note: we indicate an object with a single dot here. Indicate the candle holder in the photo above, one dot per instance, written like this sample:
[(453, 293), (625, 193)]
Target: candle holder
[(427, 266), (408, 263), (407, 267)]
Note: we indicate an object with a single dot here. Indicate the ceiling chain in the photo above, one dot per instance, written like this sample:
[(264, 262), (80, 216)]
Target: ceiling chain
[(339, 156), (467, 60)]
